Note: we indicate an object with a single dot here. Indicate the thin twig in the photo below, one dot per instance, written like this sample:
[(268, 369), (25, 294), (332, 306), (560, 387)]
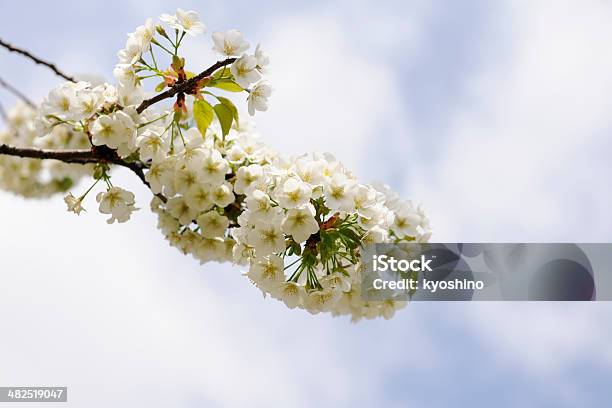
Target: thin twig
[(96, 155), (17, 93), (185, 86), (36, 60), (3, 114)]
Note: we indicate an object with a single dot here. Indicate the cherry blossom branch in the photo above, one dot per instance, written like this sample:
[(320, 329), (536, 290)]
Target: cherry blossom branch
[(36, 60), (67, 156), (16, 92), (185, 86), (98, 154)]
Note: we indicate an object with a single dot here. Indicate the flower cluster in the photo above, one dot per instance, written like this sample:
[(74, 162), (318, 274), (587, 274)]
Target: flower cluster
[(102, 117), (31, 177), (198, 181), (304, 223), (297, 224)]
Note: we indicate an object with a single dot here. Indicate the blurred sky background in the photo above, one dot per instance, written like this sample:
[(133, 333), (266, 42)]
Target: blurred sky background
[(495, 115)]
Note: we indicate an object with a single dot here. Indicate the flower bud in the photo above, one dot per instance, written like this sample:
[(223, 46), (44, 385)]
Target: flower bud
[(160, 30)]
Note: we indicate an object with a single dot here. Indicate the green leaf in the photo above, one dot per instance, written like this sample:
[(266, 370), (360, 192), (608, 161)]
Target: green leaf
[(160, 87), (203, 114), (221, 72), (230, 106), (225, 116), (178, 63), (227, 85)]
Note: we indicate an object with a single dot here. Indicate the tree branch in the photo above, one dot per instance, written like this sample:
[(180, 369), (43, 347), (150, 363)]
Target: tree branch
[(17, 93), (102, 154), (36, 60), (98, 154), (185, 86), (67, 156)]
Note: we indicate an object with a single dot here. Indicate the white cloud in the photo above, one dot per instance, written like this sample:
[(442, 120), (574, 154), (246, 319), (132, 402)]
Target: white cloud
[(546, 338), (326, 97), (519, 159), (521, 162)]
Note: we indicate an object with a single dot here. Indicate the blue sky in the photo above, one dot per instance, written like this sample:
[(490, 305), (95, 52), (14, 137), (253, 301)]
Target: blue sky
[(495, 115)]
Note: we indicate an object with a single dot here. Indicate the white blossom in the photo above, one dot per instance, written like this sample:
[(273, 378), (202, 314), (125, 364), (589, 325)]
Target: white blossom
[(167, 223), (213, 168), (151, 144), (209, 249), (185, 179), (244, 70), (266, 238), (247, 178), (117, 202), (407, 219), (222, 195), (199, 197), (74, 204), (125, 74), (236, 155), (262, 59), (339, 192), (129, 94), (321, 300), (291, 294), (293, 193), (112, 130), (145, 33), (258, 97), (186, 21), (191, 157), (229, 43), (62, 102), (212, 224), (300, 223), (88, 102), (260, 206), (242, 253), (179, 209), (267, 273), (336, 281), (155, 175), (134, 47)]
